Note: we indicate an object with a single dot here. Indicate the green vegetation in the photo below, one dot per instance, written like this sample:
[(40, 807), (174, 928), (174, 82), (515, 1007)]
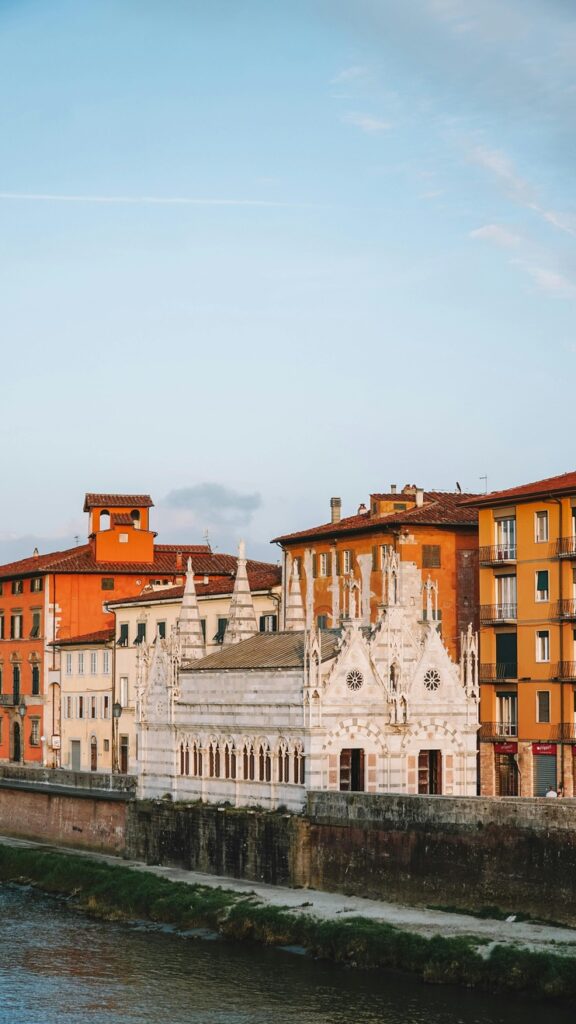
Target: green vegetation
[(121, 893)]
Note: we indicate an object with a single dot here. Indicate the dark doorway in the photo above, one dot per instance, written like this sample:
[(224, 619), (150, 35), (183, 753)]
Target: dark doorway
[(93, 755), (352, 770), (506, 775), (506, 656), (16, 742), (124, 755), (430, 772)]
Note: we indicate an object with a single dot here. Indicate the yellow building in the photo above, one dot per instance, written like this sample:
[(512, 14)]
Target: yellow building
[(527, 559)]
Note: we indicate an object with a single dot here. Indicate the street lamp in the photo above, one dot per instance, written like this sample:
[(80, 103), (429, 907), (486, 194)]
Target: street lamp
[(116, 712), (22, 713)]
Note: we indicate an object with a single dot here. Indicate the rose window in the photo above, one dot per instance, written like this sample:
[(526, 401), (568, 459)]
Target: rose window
[(431, 679), (354, 679)]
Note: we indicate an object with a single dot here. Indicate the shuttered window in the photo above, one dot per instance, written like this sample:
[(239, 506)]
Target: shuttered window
[(431, 558)]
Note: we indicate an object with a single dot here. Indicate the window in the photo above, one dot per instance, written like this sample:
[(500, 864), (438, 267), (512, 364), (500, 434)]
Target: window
[(324, 564), (506, 596), (106, 662), (1, 627), (161, 629), (203, 628), (107, 583), (92, 707), (17, 586), (540, 527), (68, 664), (268, 623), (16, 682), (123, 636), (36, 585), (93, 662), (16, 626), (542, 584), (68, 707), (505, 538), (542, 645), (80, 663), (322, 621), (346, 561), (35, 680), (1, 720), (80, 707), (543, 706), (124, 691), (219, 635), (106, 706), (1, 589), (1, 691), (35, 631), (140, 632), (106, 746), (35, 732), (507, 710), (431, 557)]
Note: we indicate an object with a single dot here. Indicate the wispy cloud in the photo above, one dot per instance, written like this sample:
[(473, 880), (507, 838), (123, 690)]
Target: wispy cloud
[(552, 282), (48, 197), (496, 234), (214, 504), (367, 123), (351, 74)]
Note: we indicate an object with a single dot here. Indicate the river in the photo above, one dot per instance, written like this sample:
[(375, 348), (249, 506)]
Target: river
[(59, 967)]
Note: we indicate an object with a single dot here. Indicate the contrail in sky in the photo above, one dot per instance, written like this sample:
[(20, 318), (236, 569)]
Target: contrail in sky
[(45, 197)]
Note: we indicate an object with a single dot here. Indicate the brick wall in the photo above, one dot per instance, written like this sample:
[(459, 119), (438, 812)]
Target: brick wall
[(65, 819)]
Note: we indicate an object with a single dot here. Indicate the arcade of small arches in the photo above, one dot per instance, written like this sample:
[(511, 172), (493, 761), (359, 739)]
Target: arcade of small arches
[(243, 761)]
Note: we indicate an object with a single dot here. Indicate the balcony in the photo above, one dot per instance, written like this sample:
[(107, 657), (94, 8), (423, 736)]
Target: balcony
[(498, 730), (497, 554), (495, 673), (566, 547), (568, 732), (494, 613), (564, 670), (564, 610), (9, 700)]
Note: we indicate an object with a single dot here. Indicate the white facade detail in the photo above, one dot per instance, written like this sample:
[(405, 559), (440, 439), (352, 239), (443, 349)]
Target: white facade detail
[(375, 709)]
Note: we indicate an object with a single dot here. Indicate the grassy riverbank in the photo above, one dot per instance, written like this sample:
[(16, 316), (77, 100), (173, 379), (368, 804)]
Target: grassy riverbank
[(121, 893)]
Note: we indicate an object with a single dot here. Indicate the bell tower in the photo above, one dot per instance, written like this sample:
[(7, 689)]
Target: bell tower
[(119, 527)]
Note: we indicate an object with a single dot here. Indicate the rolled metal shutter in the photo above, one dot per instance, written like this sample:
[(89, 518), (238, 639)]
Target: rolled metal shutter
[(544, 773)]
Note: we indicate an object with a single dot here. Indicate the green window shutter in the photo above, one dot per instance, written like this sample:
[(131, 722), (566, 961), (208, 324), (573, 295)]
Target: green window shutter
[(338, 555), (542, 579), (314, 566), (328, 564), (374, 558)]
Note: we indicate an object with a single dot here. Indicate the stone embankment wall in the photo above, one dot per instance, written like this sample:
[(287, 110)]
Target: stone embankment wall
[(78, 809), (515, 854)]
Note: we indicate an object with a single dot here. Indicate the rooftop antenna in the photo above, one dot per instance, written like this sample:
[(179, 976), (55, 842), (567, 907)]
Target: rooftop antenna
[(207, 538), (485, 479), (77, 539)]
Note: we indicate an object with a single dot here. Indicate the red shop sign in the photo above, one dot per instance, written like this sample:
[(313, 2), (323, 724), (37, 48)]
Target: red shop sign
[(544, 748), (511, 748)]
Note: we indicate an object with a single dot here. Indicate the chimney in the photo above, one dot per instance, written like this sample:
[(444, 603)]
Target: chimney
[(335, 510), (392, 488), (419, 497), (178, 559), (362, 509)]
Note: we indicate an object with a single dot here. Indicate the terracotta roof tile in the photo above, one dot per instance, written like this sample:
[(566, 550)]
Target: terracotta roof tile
[(440, 508), (565, 483), (258, 578), (268, 650), (122, 519), (117, 501), (101, 636)]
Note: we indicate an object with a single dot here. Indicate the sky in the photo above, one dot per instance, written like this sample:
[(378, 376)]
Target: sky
[(254, 255)]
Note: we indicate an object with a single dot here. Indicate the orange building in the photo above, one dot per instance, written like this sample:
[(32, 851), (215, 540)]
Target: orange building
[(528, 638), (62, 595), (342, 560)]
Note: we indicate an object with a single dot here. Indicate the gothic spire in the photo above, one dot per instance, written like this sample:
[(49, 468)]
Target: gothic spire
[(295, 618), (241, 616), (189, 625)]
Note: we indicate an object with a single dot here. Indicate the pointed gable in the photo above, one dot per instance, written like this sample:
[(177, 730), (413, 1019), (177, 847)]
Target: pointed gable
[(242, 616)]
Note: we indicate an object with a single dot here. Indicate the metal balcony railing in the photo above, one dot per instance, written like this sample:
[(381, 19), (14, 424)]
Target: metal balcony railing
[(497, 554), (500, 670), (566, 547), (565, 609), (564, 670), (490, 613), (498, 730), (9, 700), (568, 732)]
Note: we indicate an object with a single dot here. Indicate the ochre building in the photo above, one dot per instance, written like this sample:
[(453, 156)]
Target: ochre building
[(339, 564), (528, 638)]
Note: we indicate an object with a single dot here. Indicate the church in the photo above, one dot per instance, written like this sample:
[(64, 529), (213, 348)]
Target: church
[(379, 708)]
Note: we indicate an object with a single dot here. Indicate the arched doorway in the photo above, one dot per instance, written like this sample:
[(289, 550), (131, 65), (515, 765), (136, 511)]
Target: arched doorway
[(16, 742), (93, 754)]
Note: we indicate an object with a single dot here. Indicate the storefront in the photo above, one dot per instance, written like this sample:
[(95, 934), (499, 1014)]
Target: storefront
[(506, 765), (544, 759)]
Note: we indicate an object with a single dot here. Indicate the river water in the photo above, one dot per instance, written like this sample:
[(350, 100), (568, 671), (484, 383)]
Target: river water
[(59, 967)]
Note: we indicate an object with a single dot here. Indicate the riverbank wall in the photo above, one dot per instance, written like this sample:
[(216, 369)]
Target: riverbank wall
[(514, 855)]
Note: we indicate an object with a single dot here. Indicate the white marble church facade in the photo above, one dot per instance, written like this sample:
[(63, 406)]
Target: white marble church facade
[(375, 708)]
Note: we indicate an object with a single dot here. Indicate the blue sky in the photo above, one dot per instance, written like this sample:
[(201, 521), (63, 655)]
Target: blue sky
[(256, 254)]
